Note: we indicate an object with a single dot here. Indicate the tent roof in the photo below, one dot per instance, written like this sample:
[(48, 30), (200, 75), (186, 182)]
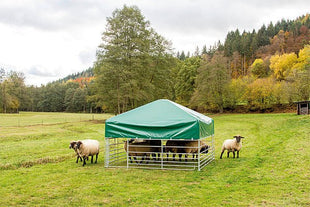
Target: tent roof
[(161, 119)]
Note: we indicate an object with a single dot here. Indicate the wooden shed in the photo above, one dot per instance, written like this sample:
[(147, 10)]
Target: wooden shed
[(303, 107)]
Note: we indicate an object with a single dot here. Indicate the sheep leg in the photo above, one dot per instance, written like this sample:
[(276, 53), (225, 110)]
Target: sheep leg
[(142, 159), (237, 154), (173, 157), (96, 158), (221, 154), (186, 157), (77, 159), (180, 155), (147, 158), (233, 154), (92, 159), (84, 161)]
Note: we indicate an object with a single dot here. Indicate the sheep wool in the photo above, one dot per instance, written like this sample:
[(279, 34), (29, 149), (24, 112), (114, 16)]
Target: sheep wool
[(87, 148), (232, 145)]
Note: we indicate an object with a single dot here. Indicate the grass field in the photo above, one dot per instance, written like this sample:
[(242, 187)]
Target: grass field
[(38, 169)]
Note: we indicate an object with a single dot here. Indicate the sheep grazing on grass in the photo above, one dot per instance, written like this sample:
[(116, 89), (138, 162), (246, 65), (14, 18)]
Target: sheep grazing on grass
[(74, 147), (232, 145), (87, 148), (141, 149), (185, 147)]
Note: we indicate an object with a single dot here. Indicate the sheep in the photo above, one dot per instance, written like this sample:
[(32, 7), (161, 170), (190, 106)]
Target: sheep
[(74, 147), (156, 147), (141, 149), (192, 147), (87, 148), (232, 145), (173, 147), (185, 147)]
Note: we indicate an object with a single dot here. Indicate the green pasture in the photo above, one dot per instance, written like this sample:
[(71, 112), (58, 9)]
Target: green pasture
[(37, 168)]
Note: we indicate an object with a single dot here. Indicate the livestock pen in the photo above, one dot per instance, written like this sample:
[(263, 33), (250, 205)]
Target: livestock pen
[(159, 135)]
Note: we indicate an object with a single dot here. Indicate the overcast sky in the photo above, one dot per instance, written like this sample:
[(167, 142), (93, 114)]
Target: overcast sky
[(50, 39)]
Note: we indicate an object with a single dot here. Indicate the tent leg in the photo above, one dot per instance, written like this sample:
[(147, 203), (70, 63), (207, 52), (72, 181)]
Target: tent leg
[(107, 152), (127, 153), (162, 154), (199, 155)]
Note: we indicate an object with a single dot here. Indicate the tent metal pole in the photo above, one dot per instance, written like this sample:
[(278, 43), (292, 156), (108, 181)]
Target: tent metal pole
[(213, 148), (162, 154), (198, 155), (107, 152), (127, 153)]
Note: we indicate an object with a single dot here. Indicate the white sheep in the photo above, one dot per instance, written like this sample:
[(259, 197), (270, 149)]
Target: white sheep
[(232, 145), (87, 148)]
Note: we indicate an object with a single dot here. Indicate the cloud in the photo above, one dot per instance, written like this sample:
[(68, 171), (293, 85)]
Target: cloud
[(51, 14), (40, 71), (54, 38), (87, 57)]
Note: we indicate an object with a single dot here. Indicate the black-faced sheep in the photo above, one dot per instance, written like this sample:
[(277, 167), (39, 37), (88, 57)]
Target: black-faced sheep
[(142, 149), (87, 148), (74, 147), (185, 147), (232, 145), (156, 147)]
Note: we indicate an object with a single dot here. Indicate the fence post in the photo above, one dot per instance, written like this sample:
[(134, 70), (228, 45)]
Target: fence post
[(107, 152), (162, 154), (127, 153)]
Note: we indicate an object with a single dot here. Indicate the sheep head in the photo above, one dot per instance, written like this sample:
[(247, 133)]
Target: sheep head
[(72, 145), (78, 144), (238, 138), (204, 149)]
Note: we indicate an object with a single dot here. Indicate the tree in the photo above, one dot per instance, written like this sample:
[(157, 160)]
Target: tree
[(182, 56), (258, 68), (282, 65), (303, 58), (259, 94), (185, 81), (12, 91), (129, 60), (212, 83)]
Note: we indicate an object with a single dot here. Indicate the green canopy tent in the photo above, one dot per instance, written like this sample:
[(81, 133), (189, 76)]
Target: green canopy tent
[(159, 120)]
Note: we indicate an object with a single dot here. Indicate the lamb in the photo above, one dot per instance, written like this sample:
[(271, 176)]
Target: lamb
[(74, 147), (185, 147), (232, 145), (87, 148), (140, 149)]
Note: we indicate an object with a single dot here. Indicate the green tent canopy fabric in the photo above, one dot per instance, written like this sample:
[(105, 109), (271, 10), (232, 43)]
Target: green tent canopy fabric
[(161, 119)]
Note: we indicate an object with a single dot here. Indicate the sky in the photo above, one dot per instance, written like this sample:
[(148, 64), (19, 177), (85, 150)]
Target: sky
[(49, 39)]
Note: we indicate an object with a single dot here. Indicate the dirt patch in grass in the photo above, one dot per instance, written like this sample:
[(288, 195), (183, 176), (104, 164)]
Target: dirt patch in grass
[(41, 161)]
